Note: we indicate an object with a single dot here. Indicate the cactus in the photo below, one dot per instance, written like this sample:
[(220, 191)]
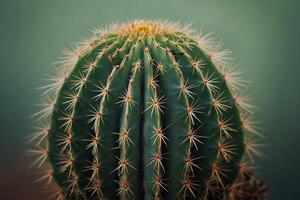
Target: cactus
[(146, 110)]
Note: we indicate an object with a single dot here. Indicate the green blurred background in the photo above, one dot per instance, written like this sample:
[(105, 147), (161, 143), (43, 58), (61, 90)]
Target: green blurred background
[(263, 34)]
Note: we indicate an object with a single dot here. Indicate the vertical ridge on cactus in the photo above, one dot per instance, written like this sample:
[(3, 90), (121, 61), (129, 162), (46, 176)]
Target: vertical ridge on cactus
[(147, 110)]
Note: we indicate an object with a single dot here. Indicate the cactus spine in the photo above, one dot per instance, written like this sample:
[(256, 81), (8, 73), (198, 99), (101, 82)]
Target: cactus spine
[(146, 110)]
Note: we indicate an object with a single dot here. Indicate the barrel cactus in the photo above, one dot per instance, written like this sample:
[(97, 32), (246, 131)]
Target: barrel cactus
[(146, 110)]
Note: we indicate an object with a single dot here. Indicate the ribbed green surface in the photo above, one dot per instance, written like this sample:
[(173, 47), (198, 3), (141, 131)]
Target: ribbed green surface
[(145, 117)]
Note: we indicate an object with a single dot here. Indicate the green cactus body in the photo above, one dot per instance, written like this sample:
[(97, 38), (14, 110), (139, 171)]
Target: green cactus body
[(145, 111)]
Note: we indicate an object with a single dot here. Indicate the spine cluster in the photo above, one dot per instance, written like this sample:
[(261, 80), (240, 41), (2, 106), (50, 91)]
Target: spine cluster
[(147, 111)]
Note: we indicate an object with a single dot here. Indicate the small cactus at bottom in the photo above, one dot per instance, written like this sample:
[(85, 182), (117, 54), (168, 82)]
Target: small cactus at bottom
[(248, 187), (147, 110)]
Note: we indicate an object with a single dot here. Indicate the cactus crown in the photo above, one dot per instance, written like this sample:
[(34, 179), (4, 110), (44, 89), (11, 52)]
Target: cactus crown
[(146, 110), (143, 29)]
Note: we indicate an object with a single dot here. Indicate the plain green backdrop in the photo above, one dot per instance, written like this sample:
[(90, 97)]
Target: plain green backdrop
[(263, 35)]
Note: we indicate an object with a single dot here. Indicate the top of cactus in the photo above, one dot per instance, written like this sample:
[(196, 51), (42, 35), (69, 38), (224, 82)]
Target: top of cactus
[(148, 28), (145, 28)]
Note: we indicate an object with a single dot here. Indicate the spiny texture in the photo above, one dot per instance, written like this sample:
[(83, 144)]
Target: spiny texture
[(147, 110)]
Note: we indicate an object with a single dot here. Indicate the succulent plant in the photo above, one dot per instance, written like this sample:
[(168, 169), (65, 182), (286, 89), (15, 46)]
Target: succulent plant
[(147, 110)]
